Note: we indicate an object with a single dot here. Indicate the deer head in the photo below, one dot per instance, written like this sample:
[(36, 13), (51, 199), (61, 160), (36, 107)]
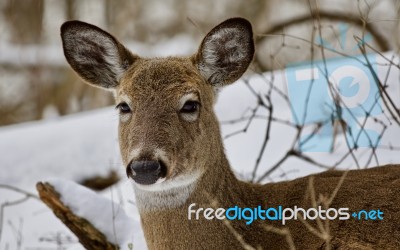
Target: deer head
[(170, 144), (167, 130)]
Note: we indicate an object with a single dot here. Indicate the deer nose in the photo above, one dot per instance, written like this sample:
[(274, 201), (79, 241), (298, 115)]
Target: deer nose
[(146, 172)]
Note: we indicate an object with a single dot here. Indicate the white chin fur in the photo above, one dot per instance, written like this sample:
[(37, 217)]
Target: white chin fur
[(166, 194)]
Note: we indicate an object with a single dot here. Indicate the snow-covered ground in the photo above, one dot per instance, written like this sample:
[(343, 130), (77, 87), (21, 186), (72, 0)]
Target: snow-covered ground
[(85, 144)]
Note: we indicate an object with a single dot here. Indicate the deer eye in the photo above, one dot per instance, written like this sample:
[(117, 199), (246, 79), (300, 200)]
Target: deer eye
[(190, 107), (123, 108)]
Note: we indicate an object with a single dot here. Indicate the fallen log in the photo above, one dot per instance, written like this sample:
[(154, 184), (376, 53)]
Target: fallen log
[(89, 236)]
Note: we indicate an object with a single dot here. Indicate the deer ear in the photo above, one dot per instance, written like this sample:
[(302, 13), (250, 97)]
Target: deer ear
[(226, 52), (95, 54)]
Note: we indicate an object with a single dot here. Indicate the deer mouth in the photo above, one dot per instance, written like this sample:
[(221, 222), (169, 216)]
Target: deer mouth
[(146, 172)]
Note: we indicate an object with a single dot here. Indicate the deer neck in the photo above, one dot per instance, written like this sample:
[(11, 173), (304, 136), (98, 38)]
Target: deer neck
[(164, 214)]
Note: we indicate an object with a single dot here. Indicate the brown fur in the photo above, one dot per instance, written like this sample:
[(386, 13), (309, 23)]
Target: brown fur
[(153, 88), (362, 189)]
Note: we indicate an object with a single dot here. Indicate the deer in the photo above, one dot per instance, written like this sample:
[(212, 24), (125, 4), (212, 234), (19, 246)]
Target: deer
[(173, 152)]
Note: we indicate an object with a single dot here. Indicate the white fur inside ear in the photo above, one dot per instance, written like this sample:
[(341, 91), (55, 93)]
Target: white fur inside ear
[(222, 52), (96, 52)]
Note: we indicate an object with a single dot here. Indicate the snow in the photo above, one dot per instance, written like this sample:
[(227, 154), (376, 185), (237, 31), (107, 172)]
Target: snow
[(29, 146), (107, 216), (85, 144)]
